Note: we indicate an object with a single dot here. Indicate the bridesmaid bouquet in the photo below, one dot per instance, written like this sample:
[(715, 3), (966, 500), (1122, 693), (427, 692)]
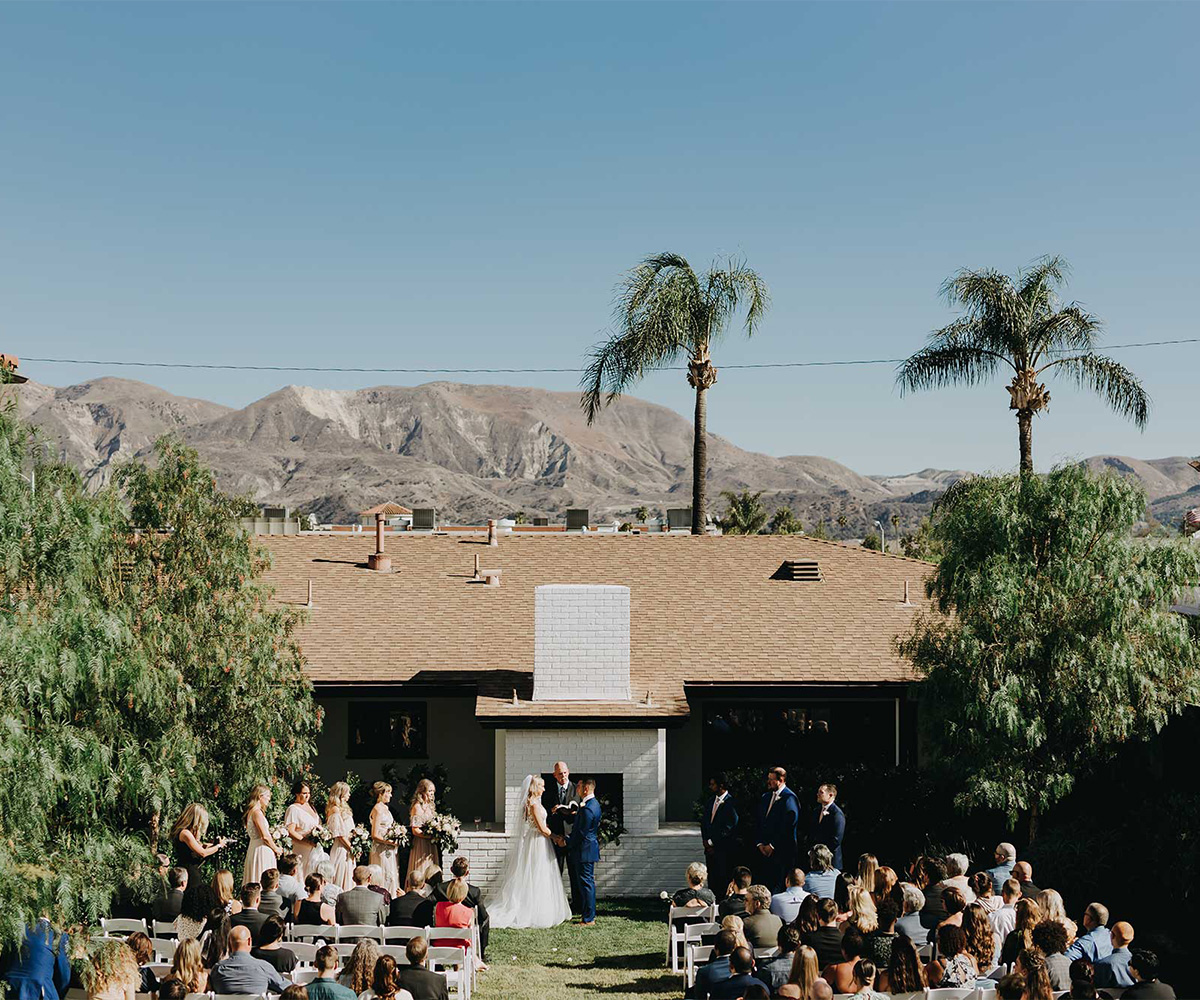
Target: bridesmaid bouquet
[(398, 834), (360, 841), (321, 836), (283, 839), (443, 829)]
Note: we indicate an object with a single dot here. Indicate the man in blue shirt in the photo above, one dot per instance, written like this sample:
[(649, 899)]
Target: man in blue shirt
[(1097, 942), (716, 970), (1113, 970), (821, 879), (241, 972), (326, 986), (1006, 857), (786, 905)]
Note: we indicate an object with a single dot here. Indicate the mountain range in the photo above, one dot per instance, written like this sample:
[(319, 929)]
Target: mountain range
[(478, 451)]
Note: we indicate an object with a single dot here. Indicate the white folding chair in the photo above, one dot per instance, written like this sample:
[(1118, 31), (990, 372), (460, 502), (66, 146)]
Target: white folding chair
[(160, 969), (164, 948), (466, 938), (305, 953), (455, 965), (324, 932), (164, 928), (925, 952), (120, 926), (302, 977), (397, 951), (766, 952), (697, 955), (391, 934), (197, 996), (675, 931), (948, 994), (356, 932)]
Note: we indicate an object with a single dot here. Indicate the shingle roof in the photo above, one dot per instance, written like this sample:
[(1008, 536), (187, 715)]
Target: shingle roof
[(704, 610)]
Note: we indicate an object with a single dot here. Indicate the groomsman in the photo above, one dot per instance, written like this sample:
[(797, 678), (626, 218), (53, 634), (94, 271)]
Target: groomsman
[(718, 829), (778, 817), (828, 825)]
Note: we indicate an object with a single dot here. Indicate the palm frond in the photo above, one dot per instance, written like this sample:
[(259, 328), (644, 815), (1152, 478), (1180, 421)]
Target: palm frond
[(1111, 381), (1069, 329), (731, 286), (1044, 274), (939, 366), (991, 299)]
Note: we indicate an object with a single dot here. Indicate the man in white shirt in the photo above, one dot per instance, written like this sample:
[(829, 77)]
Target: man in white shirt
[(1004, 919), (786, 905)]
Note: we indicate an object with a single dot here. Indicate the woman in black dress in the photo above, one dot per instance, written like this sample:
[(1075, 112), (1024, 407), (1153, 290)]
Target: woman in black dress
[(191, 852), (312, 910)]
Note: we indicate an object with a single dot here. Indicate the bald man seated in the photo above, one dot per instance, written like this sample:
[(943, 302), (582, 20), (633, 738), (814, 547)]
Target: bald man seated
[(241, 972)]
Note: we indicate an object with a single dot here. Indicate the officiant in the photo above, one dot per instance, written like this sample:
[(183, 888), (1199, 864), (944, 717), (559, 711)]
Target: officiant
[(560, 801)]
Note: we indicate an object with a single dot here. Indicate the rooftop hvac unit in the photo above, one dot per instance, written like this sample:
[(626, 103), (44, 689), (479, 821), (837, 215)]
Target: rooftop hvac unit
[(424, 519), (679, 517), (577, 520)]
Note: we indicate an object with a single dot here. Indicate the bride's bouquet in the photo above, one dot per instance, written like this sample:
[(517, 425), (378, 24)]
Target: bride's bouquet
[(283, 839), (360, 841), (443, 830), (398, 834), (321, 836)]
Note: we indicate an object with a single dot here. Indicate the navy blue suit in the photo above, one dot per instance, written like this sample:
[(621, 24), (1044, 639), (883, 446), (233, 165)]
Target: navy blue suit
[(777, 826), (583, 851), (719, 833), (40, 969), (829, 831)]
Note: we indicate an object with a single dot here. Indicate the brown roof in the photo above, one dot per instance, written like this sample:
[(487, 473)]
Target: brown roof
[(388, 508), (704, 610)]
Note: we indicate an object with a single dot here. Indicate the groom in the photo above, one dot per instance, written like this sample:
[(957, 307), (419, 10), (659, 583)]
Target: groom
[(583, 849)]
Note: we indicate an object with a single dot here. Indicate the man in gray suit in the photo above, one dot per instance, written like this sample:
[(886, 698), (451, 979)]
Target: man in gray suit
[(360, 905), (241, 972)]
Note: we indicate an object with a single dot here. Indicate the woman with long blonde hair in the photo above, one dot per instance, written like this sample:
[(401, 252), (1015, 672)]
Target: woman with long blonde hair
[(1053, 908), (885, 881), (385, 850), (862, 911), (262, 852), (187, 966), (339, 818), (188, 837), (223, 888), (1020, 938), (805, 971), (420, 811), (112, 972), (734, 923)]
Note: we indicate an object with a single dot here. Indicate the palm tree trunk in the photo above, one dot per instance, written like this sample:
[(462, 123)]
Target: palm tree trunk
[(1025, 437), (700, 461)]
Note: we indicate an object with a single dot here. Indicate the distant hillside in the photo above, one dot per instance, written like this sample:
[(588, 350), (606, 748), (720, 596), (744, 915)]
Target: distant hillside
[(477, 451)]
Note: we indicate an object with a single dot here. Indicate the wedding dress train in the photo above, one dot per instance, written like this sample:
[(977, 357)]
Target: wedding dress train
[(531, 889)]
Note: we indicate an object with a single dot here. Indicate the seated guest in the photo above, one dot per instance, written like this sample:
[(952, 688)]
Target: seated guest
[(360, 905), (453, 911), (734, 923), (359, 969), (1023, 873), (981, 885), (741, 979), (954, 904), (821, 879), (878, 943), (933, 870), (807, 917), (805, 972), (385, 982), (461, 869), (904, 973), (143, 951), (1143, 967), (956, 876), (1006, 857), (1051, 904), (826, 940), (861, 908), (294, 992), (215, 943), (326, 986), (759, 923), (981, 945), (376, 883), (954, 967), (840, 974), (776, 971), (1004, 917), (271, 901), (168, 905), (110, 971), (241, 972), (1031, 967), (271, 949), (735, 895), (1083, 986), (786, 905), (885, 882), (1010, 987), (414, 906), (864, 981), (291, 888), (330, 888), (696, 893), (187, 968), (171, 989), (312, 909), (909, 923), (250, 915), (1050, 938), (1113, 969), (222, 885), (418, 980), (1096, 941), (716, 969), (1029, 915)]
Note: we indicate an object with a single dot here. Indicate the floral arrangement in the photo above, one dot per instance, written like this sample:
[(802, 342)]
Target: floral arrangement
[(283, 839), (398, 833), (321, 836), (360, 841), (443, 829)]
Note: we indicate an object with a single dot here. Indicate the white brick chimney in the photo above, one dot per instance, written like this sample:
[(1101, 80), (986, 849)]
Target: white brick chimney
[(581, 643)]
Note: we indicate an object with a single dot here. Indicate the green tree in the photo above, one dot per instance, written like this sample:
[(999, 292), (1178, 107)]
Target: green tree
[(871, 541), (820, 531), (1020, 323), (642, 514), (1052, 643), (785, 522), (921, 543), (666, 313), (744, 513)]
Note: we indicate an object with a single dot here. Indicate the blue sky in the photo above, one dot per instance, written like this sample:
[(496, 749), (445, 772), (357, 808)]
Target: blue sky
[(461, 185)]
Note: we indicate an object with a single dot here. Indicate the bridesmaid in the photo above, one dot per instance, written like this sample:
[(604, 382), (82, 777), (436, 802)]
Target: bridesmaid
[(420, 812), (262, 851), (340, 820), (190, 851), (383, 849), (299, 819)]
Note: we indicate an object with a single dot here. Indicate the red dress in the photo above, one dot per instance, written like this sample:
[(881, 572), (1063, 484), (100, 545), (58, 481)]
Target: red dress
[(447, 914)]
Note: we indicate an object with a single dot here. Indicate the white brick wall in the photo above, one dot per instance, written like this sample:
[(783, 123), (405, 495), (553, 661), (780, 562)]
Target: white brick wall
[(581, 643)]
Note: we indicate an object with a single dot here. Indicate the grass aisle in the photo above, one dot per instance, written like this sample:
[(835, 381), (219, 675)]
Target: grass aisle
[(624, 955)]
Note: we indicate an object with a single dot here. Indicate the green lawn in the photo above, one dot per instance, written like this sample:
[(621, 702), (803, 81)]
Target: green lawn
[(624, 955)]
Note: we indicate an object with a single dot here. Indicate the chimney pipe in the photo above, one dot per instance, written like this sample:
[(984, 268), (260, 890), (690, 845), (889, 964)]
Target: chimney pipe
[(310, 592), (476, 576), (377, 560), (492, 540)]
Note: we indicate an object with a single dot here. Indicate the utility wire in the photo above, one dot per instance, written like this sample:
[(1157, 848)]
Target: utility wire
[(515, 371)]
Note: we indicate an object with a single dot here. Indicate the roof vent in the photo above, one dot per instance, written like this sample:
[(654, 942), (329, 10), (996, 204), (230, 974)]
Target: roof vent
[(799, 571)]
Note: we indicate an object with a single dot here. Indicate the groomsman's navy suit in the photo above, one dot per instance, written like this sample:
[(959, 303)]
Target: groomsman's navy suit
[(583, 851), (777, 826), (829, 830), (719, 830)]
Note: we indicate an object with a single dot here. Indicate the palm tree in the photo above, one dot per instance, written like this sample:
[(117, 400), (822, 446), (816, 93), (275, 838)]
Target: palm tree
[(642, 514), (785, 522), (666, 312), (745, 514), (1019, 322)]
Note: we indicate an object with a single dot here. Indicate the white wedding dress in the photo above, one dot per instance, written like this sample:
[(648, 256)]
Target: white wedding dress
[(531, 888)]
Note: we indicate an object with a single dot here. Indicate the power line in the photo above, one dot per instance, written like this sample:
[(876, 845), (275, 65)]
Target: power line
[(514, 371)]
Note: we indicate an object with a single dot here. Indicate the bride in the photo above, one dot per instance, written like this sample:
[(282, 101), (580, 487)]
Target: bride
[(531, 892)]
